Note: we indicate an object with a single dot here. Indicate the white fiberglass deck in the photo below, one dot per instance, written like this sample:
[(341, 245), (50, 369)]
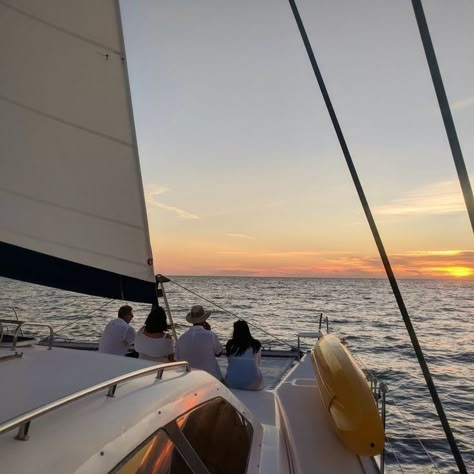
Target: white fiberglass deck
[(94, 433), (291, 432), (295, 407), (27, 385)]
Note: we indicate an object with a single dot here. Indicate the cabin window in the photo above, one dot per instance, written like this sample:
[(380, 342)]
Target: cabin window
[(157, 455), (220, 436)]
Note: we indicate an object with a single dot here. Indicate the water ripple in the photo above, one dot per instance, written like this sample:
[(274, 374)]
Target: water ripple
[(362, 310)]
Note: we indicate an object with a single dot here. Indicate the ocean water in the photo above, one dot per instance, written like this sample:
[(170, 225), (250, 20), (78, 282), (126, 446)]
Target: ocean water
[(361, 310)]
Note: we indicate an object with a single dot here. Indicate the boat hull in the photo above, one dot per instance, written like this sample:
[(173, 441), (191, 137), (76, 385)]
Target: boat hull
[(348, 400)]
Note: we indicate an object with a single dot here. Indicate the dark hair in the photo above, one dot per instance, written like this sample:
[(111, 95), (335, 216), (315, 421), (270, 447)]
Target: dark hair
[(241, 340), (156, 320), (124, 311)]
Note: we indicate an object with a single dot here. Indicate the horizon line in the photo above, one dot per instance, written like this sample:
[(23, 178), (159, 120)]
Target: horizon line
[(469, 278)]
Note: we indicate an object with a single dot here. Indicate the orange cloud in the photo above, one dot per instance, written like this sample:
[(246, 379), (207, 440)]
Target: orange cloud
[(329, 264), (436, 264)]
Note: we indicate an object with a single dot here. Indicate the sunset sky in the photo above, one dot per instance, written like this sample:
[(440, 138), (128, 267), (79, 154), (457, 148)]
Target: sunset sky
[(242, 171)]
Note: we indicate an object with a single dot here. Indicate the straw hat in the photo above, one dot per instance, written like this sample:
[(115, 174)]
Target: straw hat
[(197, 315)]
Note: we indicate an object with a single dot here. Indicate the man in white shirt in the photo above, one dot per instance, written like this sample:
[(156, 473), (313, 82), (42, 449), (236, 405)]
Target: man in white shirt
[(118, 334), (200, 346)]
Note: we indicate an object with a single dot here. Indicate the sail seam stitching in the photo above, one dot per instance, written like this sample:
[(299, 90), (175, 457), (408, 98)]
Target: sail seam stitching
[(65, 122), (71, 209), (60, 29)]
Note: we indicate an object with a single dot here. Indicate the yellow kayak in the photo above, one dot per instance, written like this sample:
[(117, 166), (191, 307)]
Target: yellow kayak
[(347, 397)]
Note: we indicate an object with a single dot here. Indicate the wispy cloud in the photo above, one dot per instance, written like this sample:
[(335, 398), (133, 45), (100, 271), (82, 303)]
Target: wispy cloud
[(437, 198), (463, 104), (436, 253), (152, 194), (449, 257), (231, 252), (282, 254), (293, 253), (238, 236)]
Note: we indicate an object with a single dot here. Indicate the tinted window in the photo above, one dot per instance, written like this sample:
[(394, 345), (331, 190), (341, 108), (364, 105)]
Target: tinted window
[(220, 436), (158, 455)]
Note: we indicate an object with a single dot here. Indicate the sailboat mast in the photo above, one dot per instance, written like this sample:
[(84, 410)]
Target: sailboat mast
[(383, 255)]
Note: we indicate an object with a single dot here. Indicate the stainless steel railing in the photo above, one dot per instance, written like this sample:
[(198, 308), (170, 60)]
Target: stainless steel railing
[(21, 324), (12, 308), (23, 421), (16, 318)]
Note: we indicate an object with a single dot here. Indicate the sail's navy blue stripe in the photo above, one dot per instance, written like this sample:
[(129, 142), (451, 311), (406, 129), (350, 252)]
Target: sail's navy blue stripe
[(35, 267)]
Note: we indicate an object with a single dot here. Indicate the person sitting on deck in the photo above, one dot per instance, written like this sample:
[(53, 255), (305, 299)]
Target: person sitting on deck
[(118, 334), (243, 353), (199, 345), (151, 341)]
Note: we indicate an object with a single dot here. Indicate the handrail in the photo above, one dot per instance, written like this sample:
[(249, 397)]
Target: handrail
[(20, 325), (321, 319), (13, 308), (382, 393), (18, 330), (23, 421), (5, 320)]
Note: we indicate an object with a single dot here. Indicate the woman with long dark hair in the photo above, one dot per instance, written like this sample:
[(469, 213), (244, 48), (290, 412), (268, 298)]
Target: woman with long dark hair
[(243, 354), (152, 342)]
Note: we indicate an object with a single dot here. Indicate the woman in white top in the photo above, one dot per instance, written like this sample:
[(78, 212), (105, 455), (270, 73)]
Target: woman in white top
[(151, 341), (243, 353)]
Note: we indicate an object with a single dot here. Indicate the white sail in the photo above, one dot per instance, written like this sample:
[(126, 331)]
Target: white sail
[(70, 183)]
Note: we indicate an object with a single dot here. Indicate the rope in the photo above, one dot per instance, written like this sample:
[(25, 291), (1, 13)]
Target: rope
[(233, 314), (383, 255)]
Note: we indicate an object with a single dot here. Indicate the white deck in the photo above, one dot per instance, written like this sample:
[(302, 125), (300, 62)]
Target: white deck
[(93, 434), (40, 372), (295, 407)]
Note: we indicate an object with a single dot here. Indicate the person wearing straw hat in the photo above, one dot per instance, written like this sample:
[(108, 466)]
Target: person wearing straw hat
[(199, 345)]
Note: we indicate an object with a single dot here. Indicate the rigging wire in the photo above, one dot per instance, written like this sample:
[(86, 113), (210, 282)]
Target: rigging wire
[(445, 109), (367, 370), (383, 255), (232, 314), (394, 452), (415, 433), (82, 318)]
